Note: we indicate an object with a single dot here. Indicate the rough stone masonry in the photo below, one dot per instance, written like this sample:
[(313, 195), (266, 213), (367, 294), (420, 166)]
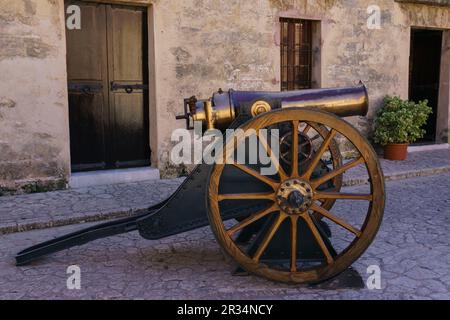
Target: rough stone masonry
[(196, 46)]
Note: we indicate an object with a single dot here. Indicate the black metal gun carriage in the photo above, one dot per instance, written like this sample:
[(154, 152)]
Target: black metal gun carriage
[(280, 225)]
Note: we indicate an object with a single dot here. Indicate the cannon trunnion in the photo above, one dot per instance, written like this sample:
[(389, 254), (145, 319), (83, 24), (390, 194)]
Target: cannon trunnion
[(294, 224)]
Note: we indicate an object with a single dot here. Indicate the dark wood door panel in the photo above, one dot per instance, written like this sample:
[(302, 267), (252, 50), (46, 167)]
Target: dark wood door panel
[(128, 66), (87, 130), (86, 48), (131, 143), (125, 30), (88, 87)]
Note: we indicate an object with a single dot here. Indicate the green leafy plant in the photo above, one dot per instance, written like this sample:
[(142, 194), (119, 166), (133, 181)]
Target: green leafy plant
[(400, 121)]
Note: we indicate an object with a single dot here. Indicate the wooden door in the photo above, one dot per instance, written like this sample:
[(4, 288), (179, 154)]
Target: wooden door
[(425, 65), (108, 90)]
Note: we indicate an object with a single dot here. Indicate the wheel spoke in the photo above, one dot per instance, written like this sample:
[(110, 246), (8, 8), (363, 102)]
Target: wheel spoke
[(247, 196), (339, 195), (318, 238), (253, 218), (307, 128), (268, 237), (257, 175), (294, 149), (304, 154), (315, 160), (294, 220), (304, 144), (273, 158), (322, 211), (330, 175)]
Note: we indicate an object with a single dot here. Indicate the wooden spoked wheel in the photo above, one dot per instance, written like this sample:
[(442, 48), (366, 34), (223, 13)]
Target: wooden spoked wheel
[(295, 196)]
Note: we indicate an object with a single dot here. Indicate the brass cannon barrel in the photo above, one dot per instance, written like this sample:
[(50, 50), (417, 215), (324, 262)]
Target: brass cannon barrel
[(223, 107), (344, 102)]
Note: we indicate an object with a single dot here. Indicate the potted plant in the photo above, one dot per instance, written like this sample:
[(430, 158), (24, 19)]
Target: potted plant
[(399, 123)]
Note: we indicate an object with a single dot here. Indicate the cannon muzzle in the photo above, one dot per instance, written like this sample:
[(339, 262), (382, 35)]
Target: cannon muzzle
[(222, 108)]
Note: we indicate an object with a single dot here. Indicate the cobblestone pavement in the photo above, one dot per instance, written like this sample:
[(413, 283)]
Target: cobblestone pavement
[(43, 210), (423, 163), (411, 248)]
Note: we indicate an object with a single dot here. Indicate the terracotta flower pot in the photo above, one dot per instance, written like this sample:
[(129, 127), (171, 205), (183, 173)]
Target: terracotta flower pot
[(396, 151)]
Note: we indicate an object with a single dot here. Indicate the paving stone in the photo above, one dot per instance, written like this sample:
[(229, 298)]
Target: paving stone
[(38, 211), (414, 263)]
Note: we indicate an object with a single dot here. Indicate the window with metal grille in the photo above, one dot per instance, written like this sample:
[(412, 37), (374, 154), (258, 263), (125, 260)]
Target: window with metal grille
[(296, 46)]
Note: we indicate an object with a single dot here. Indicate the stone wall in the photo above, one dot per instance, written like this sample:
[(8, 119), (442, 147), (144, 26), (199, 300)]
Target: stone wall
[(196, 47), (34, 143), (202, 45)]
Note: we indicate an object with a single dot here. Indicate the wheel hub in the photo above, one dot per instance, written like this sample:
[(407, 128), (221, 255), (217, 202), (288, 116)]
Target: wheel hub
[(294, 196)]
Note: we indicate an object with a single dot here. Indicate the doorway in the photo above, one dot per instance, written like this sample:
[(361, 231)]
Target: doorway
[(424, 76), (107, 65)]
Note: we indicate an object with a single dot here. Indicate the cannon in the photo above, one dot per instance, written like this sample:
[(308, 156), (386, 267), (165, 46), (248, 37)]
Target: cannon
[(282, 226)]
